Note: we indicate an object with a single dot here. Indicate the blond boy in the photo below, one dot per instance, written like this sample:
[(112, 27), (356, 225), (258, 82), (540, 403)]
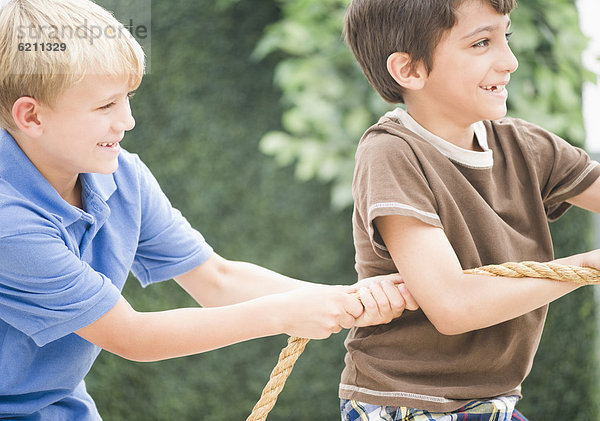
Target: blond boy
[(77, 213)]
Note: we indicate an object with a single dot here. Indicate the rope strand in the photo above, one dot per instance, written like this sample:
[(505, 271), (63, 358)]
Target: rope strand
[(287, 359)]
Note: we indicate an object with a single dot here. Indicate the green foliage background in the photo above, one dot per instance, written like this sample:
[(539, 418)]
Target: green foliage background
[(200, 116)]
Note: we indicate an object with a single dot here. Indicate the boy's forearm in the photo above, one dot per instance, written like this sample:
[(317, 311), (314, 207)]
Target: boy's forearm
[(220, 282), (174, 333), (497, 299), (313, 313), (479, 301), (259, 281), (460, 303)]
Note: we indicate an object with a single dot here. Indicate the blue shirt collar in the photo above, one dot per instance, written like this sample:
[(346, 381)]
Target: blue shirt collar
[(23, 176)]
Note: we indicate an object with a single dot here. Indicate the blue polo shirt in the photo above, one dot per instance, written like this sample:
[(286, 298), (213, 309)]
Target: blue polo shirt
[(61, 268)]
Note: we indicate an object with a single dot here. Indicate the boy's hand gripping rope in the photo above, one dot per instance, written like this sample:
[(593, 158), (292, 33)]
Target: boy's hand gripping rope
[(289, 354)]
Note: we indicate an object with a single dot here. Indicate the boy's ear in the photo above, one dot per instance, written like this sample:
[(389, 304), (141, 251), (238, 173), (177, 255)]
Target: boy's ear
[(400, 67), (25, 115)]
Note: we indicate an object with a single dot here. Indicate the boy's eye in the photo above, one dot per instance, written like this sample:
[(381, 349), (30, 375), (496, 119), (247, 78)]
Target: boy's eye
[(508, 35), (482, 43), (107, 106)]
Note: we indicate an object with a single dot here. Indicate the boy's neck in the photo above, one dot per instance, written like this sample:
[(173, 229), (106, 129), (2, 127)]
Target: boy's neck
[(73, 197), (69, 189), (461, 135)]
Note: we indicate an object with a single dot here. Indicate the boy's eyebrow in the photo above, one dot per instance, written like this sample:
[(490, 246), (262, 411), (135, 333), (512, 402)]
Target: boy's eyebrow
[(111, 98), (486, 28)]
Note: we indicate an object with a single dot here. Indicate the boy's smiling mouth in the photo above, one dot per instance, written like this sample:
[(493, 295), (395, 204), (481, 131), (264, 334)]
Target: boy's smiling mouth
[(498, 90), (492, 88), (108, 144), (495, 89)]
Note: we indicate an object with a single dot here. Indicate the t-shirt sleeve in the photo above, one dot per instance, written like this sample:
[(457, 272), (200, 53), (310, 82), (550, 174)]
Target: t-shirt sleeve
[(46, 291), (564, 170), (389, 180), (168, 245)]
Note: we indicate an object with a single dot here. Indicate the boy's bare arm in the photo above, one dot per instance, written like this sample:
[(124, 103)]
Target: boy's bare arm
[(220, 282), (246, 301), (453, 301), (153, 336), (589, 199)]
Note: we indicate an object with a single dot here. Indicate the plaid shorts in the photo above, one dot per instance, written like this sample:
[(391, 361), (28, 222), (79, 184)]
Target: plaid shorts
[(500, 409)]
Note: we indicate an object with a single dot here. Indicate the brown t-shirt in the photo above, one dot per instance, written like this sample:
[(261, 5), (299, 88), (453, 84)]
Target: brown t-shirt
[(493, 206)]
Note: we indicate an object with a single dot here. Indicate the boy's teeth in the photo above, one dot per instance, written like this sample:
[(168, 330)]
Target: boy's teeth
[(107, 144)]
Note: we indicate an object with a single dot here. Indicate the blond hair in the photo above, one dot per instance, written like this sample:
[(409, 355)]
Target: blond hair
[(47, 46)]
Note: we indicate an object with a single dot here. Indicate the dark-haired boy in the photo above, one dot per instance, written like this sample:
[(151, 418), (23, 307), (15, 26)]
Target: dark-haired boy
[(449, 184)]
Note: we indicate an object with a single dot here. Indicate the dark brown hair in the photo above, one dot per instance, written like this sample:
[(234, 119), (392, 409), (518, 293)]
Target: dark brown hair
[(374, 29)]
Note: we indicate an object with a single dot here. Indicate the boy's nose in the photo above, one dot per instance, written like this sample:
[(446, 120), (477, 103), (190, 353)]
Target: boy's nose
[(125, 120), (129, 122), (508, 61)]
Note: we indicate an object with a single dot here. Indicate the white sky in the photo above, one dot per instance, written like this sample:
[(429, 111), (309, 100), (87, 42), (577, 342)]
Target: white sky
[(589, 13)]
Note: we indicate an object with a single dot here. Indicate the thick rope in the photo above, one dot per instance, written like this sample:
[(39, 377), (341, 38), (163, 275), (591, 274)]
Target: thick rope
[(287, 359), (554, 271), (289, 355)]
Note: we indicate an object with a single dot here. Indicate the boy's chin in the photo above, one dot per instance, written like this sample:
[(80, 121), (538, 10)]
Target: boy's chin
[(497, 115), (108, 170)]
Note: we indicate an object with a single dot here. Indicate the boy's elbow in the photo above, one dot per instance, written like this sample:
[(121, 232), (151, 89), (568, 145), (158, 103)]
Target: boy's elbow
[(134, 345), (125, 345), (122, 331), (125, 348), (449, 329), (131, 350), (137, 356), (128, 339), (448, 321), (446, 327)]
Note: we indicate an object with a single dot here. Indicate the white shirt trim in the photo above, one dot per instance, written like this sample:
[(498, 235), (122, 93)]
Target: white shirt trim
[(577, 181), (402, 206), (395, 205), (506, 403), (405, 395), (465, 157)]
